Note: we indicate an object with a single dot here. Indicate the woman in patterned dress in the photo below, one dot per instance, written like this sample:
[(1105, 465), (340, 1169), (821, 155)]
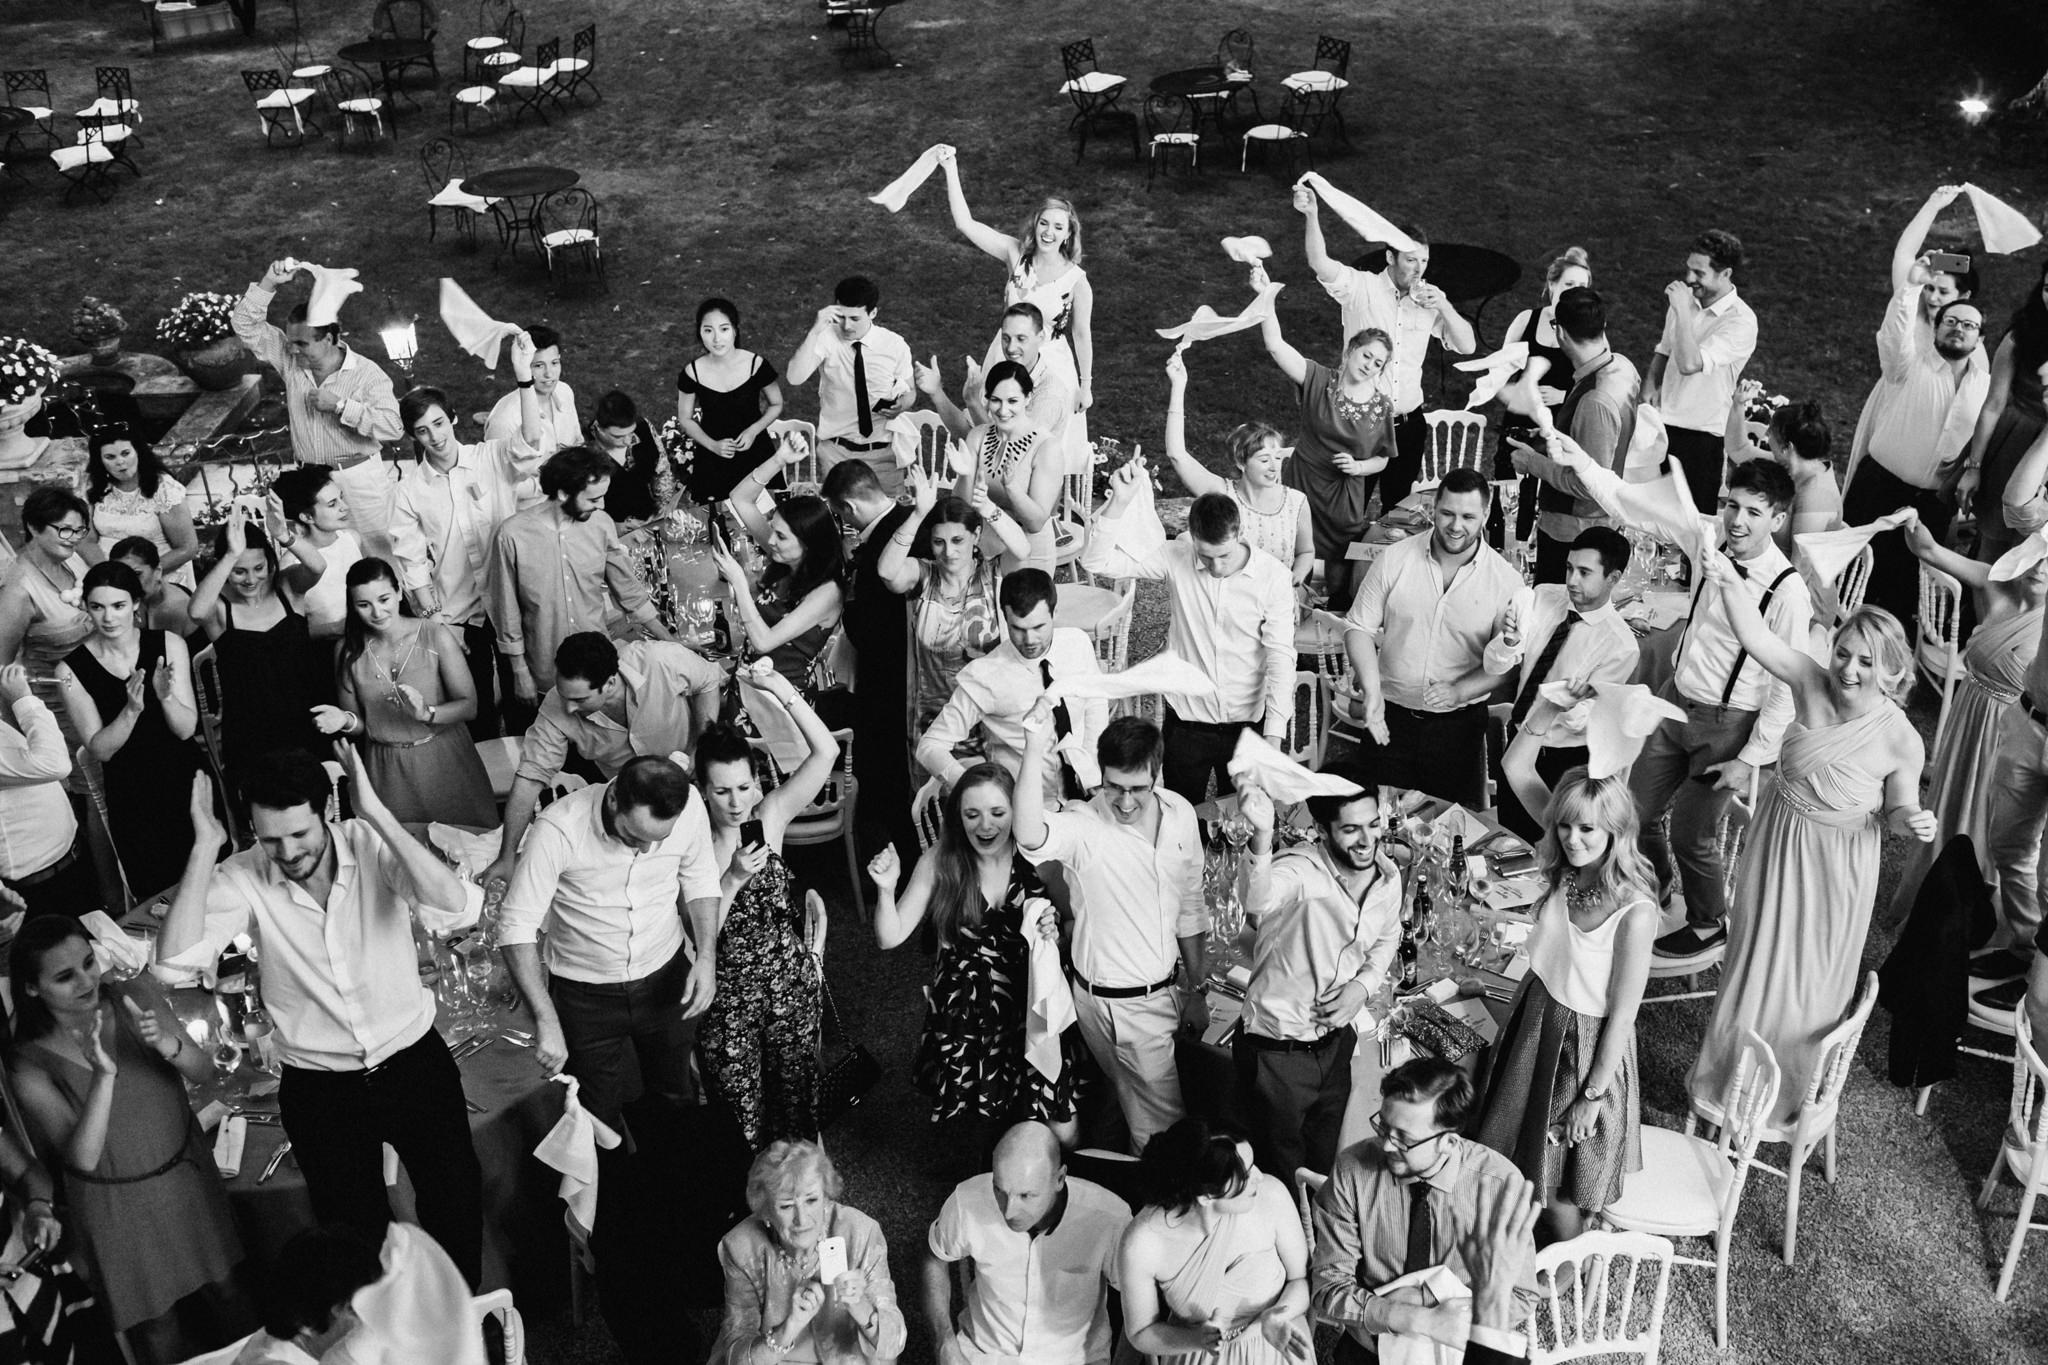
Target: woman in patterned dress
[(1562, 1100), (1275, 516), (759, 1041), (131, 495), (952, 590), (985, 902), (1014, 465)]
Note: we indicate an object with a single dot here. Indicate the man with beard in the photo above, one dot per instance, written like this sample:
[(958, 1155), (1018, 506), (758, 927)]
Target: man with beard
[(1709, 335), (1916, 424), (1328, 918), (556, 569), (1417, 636)]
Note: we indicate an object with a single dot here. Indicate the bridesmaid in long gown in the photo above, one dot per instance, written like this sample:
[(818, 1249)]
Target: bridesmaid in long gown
[(1214, 1268), (1848, 769)]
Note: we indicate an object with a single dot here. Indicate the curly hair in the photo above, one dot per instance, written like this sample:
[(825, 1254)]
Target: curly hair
[(784, 1166)]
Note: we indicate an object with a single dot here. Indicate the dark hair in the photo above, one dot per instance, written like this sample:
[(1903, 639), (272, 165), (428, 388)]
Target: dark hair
[(415, 404), (1432, 1078), (137, 547), (1214, 518), (857, 291), (330, 330), (1324, 810), (253, 538), (297, 488), (810, 520), (285, 778), (1766, 477), (1023, 589), (1967, 281), (543, 336), (951, 510), (148, 469), (1415, 233), (653, 784), (956, 899), (723, 744), (1028, 311), (1247, 440), (47, 506), (1005, 369), (851, 479), (33, 942), (615, 409), (1130, 744), (714, 304), (572, 469), (355, 636), (314, 1276), (110, 573), (1611, 545), (1804, 427), (2029, 329), (1189, 1161), (1580, 313), (1463, 479), (1721, 247), (588, 655), (1961, 301)]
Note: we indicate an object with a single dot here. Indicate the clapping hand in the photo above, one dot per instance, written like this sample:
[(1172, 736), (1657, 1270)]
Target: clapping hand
[(275, 524), (412, 702), (927, 377), (983, 505), (94, 1045), (163, 680), (138, 691), (361, 793), (151, 1029), (206, 826), (924, 491)]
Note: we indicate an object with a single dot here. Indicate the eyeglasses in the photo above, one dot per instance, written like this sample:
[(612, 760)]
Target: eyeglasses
[(69, 532), (1399, 1144), (1962, 325)]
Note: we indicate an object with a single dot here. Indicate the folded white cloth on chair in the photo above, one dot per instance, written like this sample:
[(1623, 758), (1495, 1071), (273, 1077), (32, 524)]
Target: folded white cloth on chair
[(571, 1148), (474, 330), (1258, 764), (1206, 323), (1051, 1007), (1494, 371), (2004, 228), (1166, 674), (419, 1309), (1621, 717), (1361, 219), (897, 192), (453, 196)]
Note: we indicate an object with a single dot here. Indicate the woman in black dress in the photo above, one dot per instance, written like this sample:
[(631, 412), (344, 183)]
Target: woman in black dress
[(725, 401), (619, 431), (130, 694)]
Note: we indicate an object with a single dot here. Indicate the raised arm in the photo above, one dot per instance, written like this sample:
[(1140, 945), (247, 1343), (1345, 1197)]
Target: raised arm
[(896, 918), (1974, 574), (932, 384), (1027, 801), (1104, 553), (438, 896), (1735, 442), (1002, 246), (250, 316), (1306, 204), (184, 925), (801, 787), (1193, 474), (1906, 268), (2026, 508), (811, 350), (1290, 361), (1778, 656)]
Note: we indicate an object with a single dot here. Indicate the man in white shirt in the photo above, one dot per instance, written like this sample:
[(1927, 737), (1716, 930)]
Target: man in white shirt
[(1709, 335), (1328, 919), (1133, 859), (559, 426), (997, 689), (864, 378), (600, 873), (338, 404), (331, 909), (1408, 308), (1233, 617), (1417, 635), (38, 829), (1569, 635), (1038, 1251), (1021, 335)]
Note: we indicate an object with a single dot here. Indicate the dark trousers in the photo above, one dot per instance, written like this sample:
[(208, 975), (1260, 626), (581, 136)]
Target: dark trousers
[(339, 1121), (1411, 437), (881, 763), (1296, 1097), (71, 890), (1894, 572), (1672, 771), (1439, 752), (480, 651), (1700, 455), (602, 1020), (1551, 766), (1194, 750)]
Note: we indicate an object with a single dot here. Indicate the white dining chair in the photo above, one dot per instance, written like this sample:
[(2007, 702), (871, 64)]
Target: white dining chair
[(2023, 1148), (1610, 1302)]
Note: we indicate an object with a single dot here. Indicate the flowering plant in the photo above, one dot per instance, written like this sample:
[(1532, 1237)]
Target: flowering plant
[(95, 320), (198, 319), (26, 370), (682, 451)]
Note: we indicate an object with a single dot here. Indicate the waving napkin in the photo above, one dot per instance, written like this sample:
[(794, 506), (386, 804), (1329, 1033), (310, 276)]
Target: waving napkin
[(1823, 555), (2021, 558), (1207, 323), (331, 289), (1167, 674), (1494, 371), (1622, 716), (1051, 1007), (898, 191), (474, 330), (1362, 220), (1258, 763), (419, 1309), (2004, 228), (112, 945), (1663, 506), (571, 1148), (1249, 250)]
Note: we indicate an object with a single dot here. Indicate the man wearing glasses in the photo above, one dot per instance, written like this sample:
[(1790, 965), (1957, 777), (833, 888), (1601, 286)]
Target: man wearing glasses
[(1412, 1196)]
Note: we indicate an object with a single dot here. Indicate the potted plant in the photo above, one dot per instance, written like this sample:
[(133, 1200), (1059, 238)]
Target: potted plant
[(97, 326), (197, 328), (26, 373)]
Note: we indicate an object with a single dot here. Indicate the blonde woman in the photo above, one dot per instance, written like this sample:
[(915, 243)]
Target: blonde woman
[(1275, 516)]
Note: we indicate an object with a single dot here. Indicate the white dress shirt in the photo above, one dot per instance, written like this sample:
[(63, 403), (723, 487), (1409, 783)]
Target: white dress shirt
[(662, 682), (1429, 628), (559, 426), (1033, 1298), (1134, 898), (368, 411), (1367, 298), (37, 825), (1708, 653), (341, 980), (1239, 630), (1726, 331), (886, 361), (613, 912), (1314, 936), (441, 524), (1601, 648), (1923, 411), (996, 690)]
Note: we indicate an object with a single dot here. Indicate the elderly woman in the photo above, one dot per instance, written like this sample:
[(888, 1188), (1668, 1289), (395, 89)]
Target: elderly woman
[(776, 1307)]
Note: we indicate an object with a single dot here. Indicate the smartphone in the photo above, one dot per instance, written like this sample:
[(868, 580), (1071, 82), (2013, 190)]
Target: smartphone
[(751, 834), (831, 1259), (1948, 262)]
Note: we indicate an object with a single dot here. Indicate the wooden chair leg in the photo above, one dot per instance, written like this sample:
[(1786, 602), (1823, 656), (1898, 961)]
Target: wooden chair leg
[(1793, 1171), (2019, 1237), (1998, 1166), (1721, 1289), (1828, 1156)]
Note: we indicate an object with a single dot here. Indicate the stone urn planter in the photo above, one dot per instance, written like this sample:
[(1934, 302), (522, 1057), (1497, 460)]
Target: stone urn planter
[(218, 364), (26, 373)]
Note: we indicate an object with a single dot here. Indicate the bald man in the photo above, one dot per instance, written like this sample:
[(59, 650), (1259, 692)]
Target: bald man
[(1040, 1250)]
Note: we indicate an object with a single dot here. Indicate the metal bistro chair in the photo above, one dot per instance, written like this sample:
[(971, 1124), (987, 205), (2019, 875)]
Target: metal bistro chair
[(1094, 93), (33, 81), (1238, 55), (89, 163), (496, 61), (116, 105), (572, 73), (1322, 86), (1170, 127), (1288, 135), (567, 223), (277, 107), (446, 166), (490, 35), (533, 83), (479, 97), (361, 110), (806, 474), (1070, 527)]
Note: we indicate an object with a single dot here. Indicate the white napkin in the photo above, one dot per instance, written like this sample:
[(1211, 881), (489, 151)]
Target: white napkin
[(2021, 558), (474, 330), (898, 191), (1361, 219), (1051, 1007), (1139, 532), (1494, 371), (418, 1309), (1167, 674), (1622, 716), (571, 1148), (1830, 552), (1206, 323), (1647, 442), (331, 289), (2004, 228), (111, 944), (471, 853), (1249, 250), (1397, 1348), (1256, 763)]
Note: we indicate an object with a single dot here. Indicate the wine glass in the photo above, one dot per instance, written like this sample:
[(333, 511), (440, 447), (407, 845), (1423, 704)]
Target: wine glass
[(466, 947), (478, 965)]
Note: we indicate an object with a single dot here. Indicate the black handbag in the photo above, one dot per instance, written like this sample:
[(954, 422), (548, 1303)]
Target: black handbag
[(845, 1083)]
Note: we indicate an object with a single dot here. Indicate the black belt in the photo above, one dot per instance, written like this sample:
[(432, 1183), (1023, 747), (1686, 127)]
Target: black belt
[(1117, 992), (845, 444), (2034, 713), (35, 878), (1264, 1044)]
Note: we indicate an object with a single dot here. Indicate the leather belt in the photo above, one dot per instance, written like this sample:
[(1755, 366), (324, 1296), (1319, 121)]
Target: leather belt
[(1117, 992), (35, 878), (1265, 1044), (845, 444)]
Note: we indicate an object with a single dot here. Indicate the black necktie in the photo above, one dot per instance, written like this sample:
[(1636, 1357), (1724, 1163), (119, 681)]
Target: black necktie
[(1541, 672), (860, 393), (1062, 726), (1421, 1230)]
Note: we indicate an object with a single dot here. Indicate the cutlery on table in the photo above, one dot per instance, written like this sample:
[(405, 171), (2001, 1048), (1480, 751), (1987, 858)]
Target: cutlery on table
[(276, 1159)]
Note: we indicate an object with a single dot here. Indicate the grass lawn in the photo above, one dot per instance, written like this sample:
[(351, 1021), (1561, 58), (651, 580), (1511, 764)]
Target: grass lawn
[(733, 154)]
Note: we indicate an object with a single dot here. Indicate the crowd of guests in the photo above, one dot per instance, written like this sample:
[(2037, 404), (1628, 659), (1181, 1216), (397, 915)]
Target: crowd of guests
[(671, 957)]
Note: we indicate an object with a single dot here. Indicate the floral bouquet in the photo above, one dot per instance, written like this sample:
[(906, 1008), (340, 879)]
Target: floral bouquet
[(682, 451), (198, 319), (26, 370), (95, 321)]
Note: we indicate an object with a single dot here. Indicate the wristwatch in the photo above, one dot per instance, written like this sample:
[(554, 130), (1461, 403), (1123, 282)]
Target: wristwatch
[(1590, 1094)]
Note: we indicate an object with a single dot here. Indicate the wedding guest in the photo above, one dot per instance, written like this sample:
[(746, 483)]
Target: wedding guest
[(41, 616), (788, 615), (165, 606), (934, 558), (618, 432), (1709, 335), (1276, 517), (1020, 461), (1545, 378), (309, 519), (559, 426), (339, 405), (131, 495), (51, 1322), (864, 379), (39, 861), (1798, 437), (2008, 425), (726, 400), (1049, 403)]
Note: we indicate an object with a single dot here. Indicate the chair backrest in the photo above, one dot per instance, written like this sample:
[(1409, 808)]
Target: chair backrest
[(441, 160), (1746, 1104), (498, 1304), (1332, 55), (584, 42), (549, 52), (262, 82), (490, 17), (1939, 649), (933, 441), (2029, 1111), (30, 78), (1613, 1305), (404, 19), (1733, 832), (1237, 51), (831, 801), (1303, 741), (805, 470), (1077, 492), (1455, 441), (513, 30), (346, 84), (113, 81), (1078, 58), (1306, 1183), (574, 207), (1838, 1052), (928, 813), (1113, 632), (1167, 113), (1854, 580)]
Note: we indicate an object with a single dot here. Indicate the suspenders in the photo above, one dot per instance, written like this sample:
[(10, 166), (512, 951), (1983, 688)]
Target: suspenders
[(1763, 608)]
